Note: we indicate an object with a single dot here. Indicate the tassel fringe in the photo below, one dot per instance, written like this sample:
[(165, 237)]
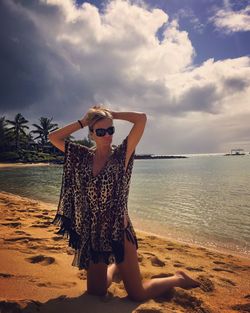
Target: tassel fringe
[(66, 229)]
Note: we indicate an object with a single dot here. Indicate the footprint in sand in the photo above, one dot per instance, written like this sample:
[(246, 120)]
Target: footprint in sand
[(47, 218), (181, 250), (31, 210), (24, 239), (227, 281), (13, 224), (241, 307), (178, 264), (205, 283), (149, 253), (41, 259), (55, 285), (13, 219), (155, 261), (219, 269), (57, 238), (21, 232), (6, 275), (42, 224), (195, 269), (219, 262), (189, 302), (235, 267), (38, 215), (162, 275)]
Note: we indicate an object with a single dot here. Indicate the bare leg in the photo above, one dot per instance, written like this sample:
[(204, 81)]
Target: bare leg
[(97, 279), (141, 291), (158, 286), (111, 273)]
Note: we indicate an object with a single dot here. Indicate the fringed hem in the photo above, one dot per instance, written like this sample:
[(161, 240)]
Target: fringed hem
[(82, 261), (65, 229), (86, 254)]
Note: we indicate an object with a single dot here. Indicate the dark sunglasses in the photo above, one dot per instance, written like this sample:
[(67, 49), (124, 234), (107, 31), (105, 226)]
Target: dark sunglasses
[(100, 132)]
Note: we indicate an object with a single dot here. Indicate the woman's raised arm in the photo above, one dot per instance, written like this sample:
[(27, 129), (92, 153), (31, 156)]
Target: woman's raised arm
[(139, 120), (57, 137)]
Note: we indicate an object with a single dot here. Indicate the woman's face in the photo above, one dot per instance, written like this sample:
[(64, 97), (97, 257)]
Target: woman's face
[(106, 139)]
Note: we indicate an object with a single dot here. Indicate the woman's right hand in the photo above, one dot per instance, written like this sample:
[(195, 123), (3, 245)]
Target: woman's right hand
[(85, 119)]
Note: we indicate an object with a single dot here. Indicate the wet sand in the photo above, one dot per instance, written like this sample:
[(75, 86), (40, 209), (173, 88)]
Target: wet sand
[(36, 273)]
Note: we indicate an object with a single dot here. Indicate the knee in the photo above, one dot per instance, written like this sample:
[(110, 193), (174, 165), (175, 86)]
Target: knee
[(138, 296), (96, 292)]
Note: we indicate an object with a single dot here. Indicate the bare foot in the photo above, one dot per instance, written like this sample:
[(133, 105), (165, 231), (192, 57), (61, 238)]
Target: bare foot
[(186, 282)]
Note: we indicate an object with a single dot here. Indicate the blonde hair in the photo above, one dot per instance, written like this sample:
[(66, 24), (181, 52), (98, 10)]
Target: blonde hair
[(96, 114)]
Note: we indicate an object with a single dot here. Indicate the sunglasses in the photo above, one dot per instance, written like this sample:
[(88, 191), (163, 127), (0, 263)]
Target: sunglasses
[(100, 132)]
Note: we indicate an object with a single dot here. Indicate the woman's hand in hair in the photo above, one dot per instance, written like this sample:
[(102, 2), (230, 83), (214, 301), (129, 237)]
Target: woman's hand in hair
[(86, 117)]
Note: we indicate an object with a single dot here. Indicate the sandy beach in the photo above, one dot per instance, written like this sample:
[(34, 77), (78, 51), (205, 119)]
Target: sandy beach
[(36, 273), (3, 165)]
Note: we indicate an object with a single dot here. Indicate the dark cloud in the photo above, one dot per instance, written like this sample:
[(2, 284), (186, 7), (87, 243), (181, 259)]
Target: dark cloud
[(197, 99), (234, 84), (33, 69), (23, 75)]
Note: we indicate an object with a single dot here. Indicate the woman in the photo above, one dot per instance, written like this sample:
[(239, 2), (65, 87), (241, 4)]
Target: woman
[(101, 231)]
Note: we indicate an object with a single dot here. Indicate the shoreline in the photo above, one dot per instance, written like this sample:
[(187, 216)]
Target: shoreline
[(19, 164), (222, 250), (33, 258)]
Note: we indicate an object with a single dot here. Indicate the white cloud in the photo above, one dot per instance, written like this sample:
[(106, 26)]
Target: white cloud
[(75, 57), (232, 21)]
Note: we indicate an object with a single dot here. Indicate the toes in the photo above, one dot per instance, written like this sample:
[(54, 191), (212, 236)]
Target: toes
[(188, 282)]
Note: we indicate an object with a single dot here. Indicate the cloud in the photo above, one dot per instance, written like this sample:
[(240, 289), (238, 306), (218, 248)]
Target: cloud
[(61, 59), (232, 21)]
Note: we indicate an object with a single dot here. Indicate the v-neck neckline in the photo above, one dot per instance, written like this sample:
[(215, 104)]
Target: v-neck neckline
[(103, 168)]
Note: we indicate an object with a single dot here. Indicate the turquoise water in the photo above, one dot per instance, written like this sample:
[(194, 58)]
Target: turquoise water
[(202, 199)]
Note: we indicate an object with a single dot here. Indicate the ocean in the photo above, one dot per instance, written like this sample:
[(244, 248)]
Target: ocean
[(204, 199)]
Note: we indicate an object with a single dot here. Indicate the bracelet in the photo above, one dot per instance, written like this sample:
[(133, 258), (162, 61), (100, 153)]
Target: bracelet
[(80, 123)]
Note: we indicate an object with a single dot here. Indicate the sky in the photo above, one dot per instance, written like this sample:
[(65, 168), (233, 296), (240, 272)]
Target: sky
[(185, 63)]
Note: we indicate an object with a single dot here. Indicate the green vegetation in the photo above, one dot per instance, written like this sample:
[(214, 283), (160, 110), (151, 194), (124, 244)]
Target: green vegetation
[(18, 145)]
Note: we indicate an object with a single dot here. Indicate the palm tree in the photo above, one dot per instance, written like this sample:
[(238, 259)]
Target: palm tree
[(18, 128), (2, 129), (44, 129), (4, 136)]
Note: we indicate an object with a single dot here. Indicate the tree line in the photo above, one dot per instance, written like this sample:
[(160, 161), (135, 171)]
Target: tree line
[(15, 135)]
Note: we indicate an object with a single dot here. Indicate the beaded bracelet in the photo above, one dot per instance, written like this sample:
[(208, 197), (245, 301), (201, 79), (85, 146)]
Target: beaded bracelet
[(80, 123)]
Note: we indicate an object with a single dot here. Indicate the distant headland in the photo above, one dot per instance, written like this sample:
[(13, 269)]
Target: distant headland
[(156, 156)]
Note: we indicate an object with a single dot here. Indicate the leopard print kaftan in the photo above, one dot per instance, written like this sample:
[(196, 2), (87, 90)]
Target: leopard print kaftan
[(92, 209)]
